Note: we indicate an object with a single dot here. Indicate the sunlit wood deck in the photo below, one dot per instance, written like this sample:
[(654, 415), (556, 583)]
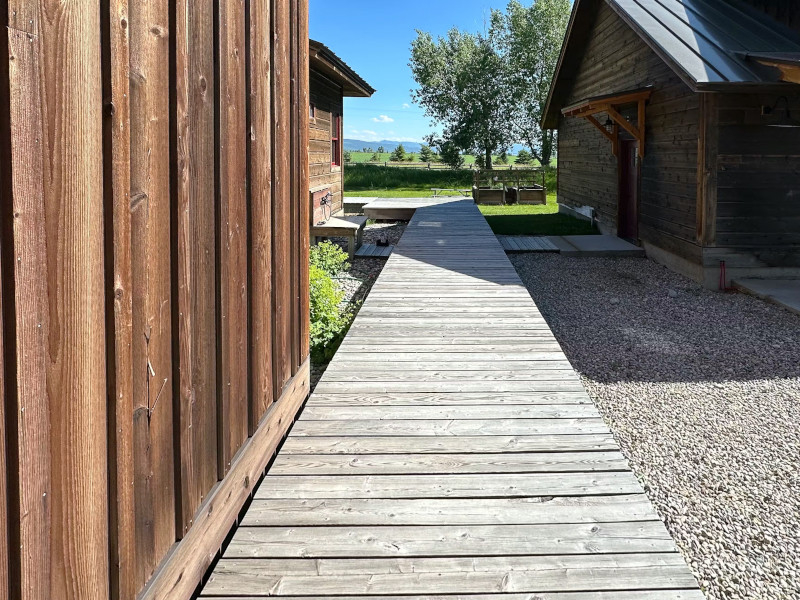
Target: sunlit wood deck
[(451, 451)]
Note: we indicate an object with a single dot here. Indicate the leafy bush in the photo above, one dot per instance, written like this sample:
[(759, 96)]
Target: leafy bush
[(330, 258), (328, 322)]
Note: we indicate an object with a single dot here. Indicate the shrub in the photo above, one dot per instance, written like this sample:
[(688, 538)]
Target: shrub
[(348, 157), (328, 322), (329, 258)]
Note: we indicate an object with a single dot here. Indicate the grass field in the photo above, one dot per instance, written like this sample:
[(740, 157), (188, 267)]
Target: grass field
[(364, 157), (518, 219), (391, 182)]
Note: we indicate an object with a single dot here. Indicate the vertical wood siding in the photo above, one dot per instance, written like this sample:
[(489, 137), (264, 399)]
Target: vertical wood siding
[(154, 183)]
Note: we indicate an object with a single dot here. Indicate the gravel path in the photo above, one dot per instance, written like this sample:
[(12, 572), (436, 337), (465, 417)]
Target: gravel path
[(357, 282), (702, 391)]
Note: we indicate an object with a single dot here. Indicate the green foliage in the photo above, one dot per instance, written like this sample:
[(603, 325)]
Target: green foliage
[(464, 85), (503, 158), (370, 177), (381, 150), (530, 40), (450, 155), (411, 157), (328, 322), (399, 154), (329, 258), (480, 161), (348, 157), (524, 157), (375, 158), (425, 153)]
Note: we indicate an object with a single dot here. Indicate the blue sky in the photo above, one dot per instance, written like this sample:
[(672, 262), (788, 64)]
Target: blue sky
[(374, 38)]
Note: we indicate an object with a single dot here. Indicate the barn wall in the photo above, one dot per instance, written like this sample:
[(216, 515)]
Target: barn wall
[(327, 98), (758, 179), (616, 60), (154, 248)]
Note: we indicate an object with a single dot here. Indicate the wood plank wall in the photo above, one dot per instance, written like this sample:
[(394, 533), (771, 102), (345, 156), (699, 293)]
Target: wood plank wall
[(328, 100), (153, 250), (758, 178), (616, 60)]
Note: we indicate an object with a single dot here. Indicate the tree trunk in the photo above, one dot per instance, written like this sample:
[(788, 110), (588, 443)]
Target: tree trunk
[(488, 159), (547, 147)]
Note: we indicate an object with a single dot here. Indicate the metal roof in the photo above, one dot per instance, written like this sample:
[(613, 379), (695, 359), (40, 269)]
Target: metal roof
[(713, 45), (707, 41)]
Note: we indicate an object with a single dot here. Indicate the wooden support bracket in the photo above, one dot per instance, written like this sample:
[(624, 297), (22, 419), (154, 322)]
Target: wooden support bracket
[(608, 105)]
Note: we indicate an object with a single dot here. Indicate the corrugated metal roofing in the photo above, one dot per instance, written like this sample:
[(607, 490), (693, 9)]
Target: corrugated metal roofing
[(708, 40)]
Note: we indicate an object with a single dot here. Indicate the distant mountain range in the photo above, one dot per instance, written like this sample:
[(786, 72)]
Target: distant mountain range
[(389, 146)]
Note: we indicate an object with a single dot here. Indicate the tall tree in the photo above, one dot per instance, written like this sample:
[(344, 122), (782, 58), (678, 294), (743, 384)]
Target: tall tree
[(425, 153), (399, 154), (464, 85), (531, 39)]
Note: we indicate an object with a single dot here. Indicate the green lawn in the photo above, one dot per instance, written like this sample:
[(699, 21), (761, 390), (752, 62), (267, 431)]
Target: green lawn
[(518, 219), (364, 157)]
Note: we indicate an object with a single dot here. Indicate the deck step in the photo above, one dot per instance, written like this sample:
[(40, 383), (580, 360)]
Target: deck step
[(374, 251)]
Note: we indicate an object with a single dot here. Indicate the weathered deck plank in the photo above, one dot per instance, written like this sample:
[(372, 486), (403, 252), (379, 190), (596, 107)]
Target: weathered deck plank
[(451, 450)]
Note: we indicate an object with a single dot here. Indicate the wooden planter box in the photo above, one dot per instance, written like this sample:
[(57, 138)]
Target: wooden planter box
[(488, 195), (532, 195)]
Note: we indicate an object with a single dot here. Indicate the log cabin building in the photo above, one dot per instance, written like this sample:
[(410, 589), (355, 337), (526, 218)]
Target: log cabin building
[(679, 128), (332, 80)]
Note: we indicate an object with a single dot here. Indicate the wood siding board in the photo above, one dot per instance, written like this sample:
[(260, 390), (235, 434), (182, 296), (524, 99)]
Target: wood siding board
[(305, 181), (57, 187), (261, 384), (233, 385), (119, 305), (196, 268), (281, 197), (32, 322), (151, 270), (180, 576)]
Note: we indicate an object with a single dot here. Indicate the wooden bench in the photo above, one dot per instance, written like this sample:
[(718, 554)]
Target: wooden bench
[(437, 191), (351, 228)]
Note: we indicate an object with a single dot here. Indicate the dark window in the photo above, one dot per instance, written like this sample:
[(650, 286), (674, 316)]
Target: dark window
[(336, 141), (312, 111)]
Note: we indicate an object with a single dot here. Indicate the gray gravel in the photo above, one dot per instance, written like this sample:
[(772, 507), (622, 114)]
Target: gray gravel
[(358, 280), (702, 392)]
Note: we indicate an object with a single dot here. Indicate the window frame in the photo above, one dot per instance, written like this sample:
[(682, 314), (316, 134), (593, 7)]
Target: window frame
[(336, 141)]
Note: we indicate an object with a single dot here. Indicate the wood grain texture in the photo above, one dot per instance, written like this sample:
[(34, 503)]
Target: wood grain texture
[(473, 468), (232, 404), (260, 192), (154, 451), (304, 241), (191, 558), (5, 525), (282, 238), (31, 571), (57, 186), (194, 181), (119, 305)]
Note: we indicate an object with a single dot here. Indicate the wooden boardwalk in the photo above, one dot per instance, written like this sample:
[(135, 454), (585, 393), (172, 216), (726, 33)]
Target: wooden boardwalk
[(450, 451)]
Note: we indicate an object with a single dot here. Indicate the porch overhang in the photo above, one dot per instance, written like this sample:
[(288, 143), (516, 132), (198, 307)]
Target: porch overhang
[(610, 105)]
